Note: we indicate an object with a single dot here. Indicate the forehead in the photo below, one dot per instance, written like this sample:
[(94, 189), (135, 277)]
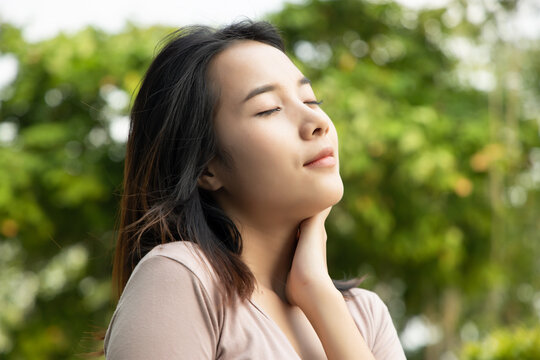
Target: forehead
[(247, 64)]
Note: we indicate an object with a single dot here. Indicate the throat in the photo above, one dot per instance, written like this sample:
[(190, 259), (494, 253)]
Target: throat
[(269, 257)]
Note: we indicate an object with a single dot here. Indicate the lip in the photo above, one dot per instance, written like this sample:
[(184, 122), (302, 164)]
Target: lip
[(324, 158)]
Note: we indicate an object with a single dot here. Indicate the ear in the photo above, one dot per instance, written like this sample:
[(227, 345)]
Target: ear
[(209, 180)]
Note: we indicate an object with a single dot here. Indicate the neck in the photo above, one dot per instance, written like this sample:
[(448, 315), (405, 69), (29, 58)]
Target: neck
[(269, 252), (268, 244)]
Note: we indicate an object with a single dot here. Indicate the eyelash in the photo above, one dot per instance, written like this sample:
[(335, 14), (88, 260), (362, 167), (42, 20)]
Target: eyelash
[(268, 112)]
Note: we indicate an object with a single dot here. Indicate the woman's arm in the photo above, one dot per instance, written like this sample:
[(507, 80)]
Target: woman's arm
[(330, 317), (310, 287)]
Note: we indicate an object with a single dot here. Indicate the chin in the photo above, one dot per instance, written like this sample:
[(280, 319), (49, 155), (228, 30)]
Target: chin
[(336, 193), (328, 195)]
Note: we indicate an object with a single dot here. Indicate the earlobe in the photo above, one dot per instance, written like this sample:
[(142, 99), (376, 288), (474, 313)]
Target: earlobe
[(209, 181)]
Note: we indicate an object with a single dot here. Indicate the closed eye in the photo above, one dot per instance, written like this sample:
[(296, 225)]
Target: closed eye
[(271, 111), (268, 112)]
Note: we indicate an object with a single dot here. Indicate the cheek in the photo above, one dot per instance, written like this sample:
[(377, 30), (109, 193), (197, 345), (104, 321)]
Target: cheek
[(261, 155), (260, 140)]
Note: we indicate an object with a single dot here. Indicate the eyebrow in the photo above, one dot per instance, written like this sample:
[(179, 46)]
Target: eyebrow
[(266, 88)]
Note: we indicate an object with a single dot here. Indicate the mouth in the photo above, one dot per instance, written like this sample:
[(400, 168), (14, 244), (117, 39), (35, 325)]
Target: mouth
[(324, 158)]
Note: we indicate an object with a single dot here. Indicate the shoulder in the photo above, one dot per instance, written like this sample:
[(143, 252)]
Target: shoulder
[(171, 276), (373, 319), (179, 256), (364, 299), (172, 271), (171, 301), (367, 309)]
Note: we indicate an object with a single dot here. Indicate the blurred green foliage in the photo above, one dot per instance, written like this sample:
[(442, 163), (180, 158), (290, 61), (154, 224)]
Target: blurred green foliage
[(441, 170), (60, 177), (506, 344)]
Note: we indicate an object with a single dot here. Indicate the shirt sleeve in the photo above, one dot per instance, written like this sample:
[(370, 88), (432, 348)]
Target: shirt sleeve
[(373, 320), (164, 313), (387, 344)]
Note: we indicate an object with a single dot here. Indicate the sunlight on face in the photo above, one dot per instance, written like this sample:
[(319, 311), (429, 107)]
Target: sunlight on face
[(282, 145)]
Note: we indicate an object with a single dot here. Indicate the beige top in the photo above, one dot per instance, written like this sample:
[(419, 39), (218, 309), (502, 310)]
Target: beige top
[(171, 309)]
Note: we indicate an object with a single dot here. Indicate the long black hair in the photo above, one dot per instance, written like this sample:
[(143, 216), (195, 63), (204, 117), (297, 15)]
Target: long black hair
[(171, 141)]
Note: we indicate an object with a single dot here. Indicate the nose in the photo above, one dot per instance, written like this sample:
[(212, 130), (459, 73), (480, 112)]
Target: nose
[(315, 123)]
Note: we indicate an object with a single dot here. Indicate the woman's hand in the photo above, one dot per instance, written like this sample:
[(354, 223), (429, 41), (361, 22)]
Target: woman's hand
[(309, 270), (311, 289)]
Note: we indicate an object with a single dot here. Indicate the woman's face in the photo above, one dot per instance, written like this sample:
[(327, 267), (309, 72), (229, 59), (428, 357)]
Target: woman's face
[(268, 122)]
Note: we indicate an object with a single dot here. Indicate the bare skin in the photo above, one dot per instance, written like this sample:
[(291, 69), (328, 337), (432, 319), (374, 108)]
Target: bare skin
[(277, 201), (310, 287)]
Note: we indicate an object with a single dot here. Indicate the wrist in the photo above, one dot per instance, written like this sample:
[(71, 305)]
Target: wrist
[(330, 317), (318, 294)]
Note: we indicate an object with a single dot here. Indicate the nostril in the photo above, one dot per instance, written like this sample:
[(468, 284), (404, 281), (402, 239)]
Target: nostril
[(317, 131)]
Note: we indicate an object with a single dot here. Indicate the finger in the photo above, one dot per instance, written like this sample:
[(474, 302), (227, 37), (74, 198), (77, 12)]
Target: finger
[(318, 218)]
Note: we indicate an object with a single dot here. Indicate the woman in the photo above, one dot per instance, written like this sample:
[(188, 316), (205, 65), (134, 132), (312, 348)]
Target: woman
[(231, 170)]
